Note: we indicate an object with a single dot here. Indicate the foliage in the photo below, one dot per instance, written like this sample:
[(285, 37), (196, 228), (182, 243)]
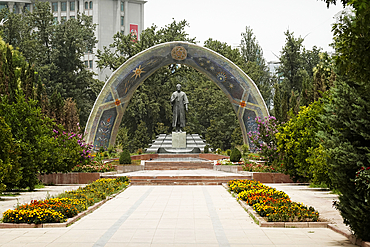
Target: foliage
[(55, 51), (347, 114), (264, 140), (206, 149), (33, 132), (69, 151), (228, 162), (259, 167), (362, 182), (255, 65), (124, 157), (65, 205), (303, 156), (141, 137), (235, 155), (9, 156), (94, 167), (296, 71)]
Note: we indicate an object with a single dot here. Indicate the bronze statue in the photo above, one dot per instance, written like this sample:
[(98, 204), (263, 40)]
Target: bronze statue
[(179, 103)]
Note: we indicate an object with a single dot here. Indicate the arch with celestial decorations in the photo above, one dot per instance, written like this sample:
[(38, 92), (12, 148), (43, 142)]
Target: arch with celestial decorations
[(242, 92)]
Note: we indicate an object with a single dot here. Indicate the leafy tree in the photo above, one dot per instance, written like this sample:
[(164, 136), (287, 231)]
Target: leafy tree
[(255, 64), (55, 50), (302, 154), (297, 69), (9, 156), (32, 130), (347, 114), (141, 137)]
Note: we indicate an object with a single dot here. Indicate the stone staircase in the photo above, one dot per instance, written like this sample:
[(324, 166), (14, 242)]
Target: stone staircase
[(169, 164), (183, 180)]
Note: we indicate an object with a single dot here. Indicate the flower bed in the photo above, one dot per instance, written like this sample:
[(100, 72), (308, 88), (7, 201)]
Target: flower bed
[(258, 167), (65, 205), (227, 162), (273, 205), (94, 167)]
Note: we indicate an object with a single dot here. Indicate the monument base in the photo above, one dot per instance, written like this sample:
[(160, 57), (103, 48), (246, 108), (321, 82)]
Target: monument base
[(178, 139)]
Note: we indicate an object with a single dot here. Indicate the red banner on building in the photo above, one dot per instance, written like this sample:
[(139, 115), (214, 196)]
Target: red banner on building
[(134, 31)]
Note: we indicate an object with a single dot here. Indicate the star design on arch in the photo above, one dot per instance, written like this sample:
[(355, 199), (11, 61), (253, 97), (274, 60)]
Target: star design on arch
[(137, 72)]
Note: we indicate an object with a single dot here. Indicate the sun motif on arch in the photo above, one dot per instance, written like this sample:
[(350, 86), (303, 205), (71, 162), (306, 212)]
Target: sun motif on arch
[(137, 72), (231, 86), (221, 76)]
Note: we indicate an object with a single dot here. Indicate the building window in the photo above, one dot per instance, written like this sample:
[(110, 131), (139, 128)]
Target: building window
[(72, 6), (122, 20), (90, 64), (86, 63), (3, 6), (55, 20), (27, 6), (54, 7), (72, 17), (86, 5), (122, 6), (63, 19), (63, 6), (91, 4)]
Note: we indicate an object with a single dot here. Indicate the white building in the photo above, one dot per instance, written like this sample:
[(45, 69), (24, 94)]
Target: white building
[(112, 16)]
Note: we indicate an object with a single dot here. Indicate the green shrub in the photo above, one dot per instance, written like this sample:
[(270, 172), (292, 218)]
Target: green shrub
[(235, 155), (111, 150), (9, 156), (228, 152), (125, 157), (218, 151), (101, 149), (206, 149)]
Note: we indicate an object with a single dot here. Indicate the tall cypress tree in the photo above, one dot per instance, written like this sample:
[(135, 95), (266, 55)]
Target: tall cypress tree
[(348, 116)]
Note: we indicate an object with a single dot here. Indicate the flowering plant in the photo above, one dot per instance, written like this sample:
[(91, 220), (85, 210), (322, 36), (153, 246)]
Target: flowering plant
[(258, 167), (69, 151), (65, 205), (264, 140), (227, 162), (270, 203), (94, 167)]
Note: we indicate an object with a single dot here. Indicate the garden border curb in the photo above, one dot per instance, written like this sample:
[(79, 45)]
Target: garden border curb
[(69, 221), (263, 223)]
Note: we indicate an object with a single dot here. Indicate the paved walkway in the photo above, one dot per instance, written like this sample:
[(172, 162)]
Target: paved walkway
[(170, 216)]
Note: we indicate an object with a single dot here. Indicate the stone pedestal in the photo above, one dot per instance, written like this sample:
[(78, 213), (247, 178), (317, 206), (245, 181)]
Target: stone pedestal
[(178, 139)]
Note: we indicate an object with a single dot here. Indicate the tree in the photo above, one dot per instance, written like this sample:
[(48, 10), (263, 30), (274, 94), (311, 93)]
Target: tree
[(347, 113), (301, 151), (255, 65), (297, 69), (9, 157), (54, 50)]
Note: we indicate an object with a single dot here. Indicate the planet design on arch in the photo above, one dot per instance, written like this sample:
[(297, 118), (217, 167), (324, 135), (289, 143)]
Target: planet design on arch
[(179, 53)]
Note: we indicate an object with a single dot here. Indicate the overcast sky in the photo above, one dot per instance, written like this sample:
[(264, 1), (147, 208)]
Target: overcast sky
[(225, 20)]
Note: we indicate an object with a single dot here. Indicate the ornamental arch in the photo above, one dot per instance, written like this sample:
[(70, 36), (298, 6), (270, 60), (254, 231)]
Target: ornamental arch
[(109, 107)]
